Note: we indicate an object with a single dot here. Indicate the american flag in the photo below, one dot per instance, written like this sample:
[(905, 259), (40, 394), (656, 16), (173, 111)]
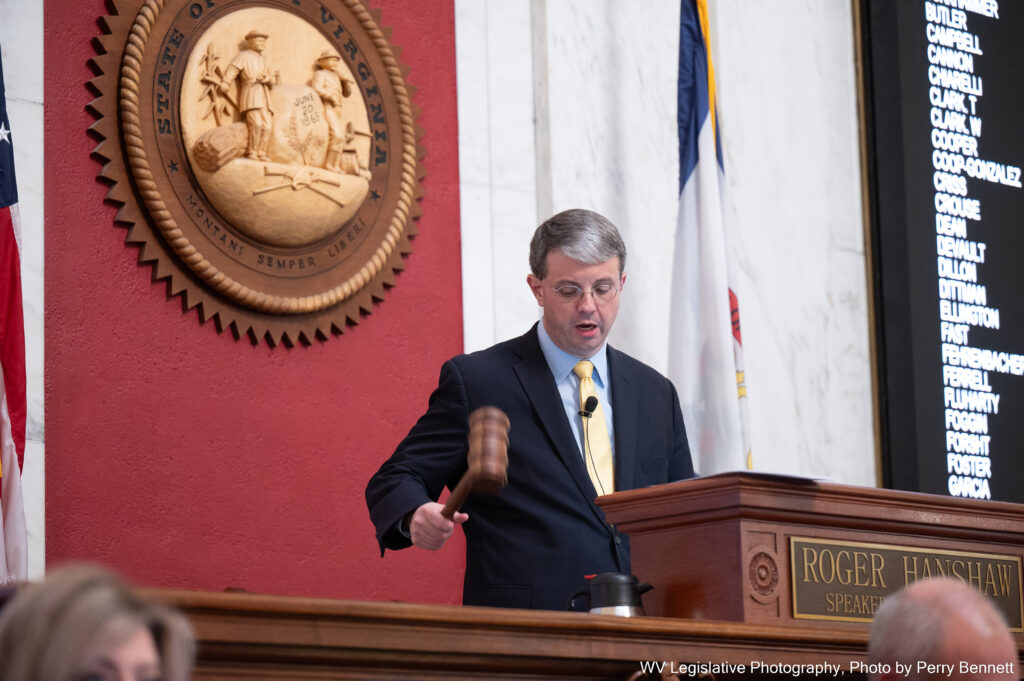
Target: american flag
[(13, 537)]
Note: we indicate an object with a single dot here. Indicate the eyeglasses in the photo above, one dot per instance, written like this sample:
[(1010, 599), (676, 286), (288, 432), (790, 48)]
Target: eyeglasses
[(602, 293)]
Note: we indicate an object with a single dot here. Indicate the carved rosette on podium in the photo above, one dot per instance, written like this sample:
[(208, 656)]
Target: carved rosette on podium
[(767, 549), (265, 156)]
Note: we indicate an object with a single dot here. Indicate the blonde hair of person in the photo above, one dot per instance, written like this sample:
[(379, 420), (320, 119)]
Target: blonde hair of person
[(48, 629)]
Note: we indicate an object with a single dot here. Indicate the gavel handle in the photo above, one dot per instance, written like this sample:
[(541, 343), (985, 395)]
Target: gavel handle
[(458, 496)]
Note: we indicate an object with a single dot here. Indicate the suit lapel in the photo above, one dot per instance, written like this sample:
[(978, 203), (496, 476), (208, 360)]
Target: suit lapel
[(624, 401), (535, 377)]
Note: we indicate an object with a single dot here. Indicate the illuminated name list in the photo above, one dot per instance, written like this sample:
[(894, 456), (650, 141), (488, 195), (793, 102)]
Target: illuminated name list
[(956, 91)]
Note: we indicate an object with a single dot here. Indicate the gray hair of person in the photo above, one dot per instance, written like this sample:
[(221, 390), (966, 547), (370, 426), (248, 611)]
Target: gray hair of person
[(580, 234), (911, 626), (48, 629)]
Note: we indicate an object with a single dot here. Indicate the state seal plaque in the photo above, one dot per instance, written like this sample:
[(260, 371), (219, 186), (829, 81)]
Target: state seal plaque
[(265, 156)]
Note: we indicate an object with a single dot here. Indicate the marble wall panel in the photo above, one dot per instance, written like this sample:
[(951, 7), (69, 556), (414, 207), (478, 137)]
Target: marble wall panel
[(497, 166), (786, 76)]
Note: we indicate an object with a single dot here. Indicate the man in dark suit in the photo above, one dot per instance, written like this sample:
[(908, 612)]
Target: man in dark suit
[(531, 545)]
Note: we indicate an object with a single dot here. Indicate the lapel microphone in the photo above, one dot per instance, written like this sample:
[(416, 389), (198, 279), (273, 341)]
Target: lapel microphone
[(589, 407)]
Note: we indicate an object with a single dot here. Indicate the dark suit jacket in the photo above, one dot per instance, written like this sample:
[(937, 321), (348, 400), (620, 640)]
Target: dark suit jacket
[(531, 545)]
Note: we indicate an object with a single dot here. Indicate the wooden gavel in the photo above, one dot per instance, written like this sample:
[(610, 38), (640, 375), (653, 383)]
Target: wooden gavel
[(487, 459)]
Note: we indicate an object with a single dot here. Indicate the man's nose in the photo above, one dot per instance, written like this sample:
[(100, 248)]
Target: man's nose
[(587, 301)]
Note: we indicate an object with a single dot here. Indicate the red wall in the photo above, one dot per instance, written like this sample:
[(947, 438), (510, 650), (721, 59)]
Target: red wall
[(185, 458)]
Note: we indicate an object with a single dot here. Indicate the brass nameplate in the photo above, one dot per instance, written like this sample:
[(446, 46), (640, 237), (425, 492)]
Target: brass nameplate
[(847, 581)]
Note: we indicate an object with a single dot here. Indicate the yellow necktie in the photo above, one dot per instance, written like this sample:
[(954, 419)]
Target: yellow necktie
[(597, 447)]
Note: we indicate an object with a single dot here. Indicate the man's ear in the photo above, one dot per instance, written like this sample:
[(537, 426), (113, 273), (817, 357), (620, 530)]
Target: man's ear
[(537, 287)]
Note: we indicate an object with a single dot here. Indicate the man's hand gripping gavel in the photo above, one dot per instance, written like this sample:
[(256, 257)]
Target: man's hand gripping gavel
[(433, 524)]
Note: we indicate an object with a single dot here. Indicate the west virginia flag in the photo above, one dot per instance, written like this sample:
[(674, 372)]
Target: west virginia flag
[(706, 353)]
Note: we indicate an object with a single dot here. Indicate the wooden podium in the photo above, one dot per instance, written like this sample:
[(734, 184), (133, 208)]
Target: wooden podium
[(770, 549)]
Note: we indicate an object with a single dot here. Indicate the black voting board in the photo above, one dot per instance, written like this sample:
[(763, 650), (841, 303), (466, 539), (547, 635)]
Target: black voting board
[(943, 93)]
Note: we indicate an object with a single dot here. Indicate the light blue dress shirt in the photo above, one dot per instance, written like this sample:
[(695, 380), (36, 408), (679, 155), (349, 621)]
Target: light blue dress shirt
[(561, 364)]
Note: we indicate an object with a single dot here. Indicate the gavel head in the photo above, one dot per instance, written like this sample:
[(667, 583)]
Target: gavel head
[(488, 449)]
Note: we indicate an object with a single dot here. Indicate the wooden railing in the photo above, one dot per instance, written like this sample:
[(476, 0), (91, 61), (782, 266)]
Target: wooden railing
[(273, 637)]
